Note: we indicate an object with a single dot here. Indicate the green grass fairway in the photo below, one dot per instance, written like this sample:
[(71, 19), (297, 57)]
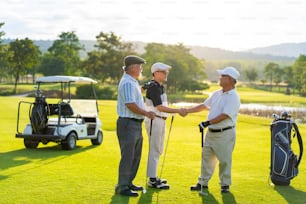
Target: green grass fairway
[(89, 173)]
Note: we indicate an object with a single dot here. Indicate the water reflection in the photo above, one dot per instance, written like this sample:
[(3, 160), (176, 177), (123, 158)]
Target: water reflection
[(297, 113)]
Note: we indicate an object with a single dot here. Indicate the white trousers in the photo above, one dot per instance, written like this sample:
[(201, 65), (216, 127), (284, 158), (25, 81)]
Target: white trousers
[(156, 137)]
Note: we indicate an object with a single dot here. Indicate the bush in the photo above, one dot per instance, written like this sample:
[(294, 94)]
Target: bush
[(193, 86), (85, 91), (105, 93)]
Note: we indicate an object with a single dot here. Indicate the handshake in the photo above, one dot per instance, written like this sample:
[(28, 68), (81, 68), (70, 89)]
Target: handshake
[(203, 125), (182, 112)]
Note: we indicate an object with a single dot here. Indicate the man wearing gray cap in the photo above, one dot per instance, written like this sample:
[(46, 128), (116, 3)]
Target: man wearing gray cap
[(131, 112), (156, 101), (223, 106)]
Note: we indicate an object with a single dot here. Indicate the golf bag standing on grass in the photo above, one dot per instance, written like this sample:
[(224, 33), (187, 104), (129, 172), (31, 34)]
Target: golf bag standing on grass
[(284, 162)]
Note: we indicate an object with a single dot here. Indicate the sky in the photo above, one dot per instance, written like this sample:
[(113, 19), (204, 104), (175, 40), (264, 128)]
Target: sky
[(235, 25)]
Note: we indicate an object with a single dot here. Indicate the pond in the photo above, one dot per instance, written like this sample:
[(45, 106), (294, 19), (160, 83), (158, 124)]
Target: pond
[(297, 113)]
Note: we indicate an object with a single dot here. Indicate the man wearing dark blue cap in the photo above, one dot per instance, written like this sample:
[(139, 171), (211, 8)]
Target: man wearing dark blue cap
[(131, 112)]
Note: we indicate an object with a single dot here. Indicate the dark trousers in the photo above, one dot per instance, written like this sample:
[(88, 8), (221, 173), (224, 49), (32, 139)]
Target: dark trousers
[(129, 133)]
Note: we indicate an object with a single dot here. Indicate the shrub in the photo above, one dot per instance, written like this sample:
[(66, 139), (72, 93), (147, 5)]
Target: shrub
[(85, 91)]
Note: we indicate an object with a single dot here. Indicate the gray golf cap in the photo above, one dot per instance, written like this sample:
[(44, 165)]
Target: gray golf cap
[(132, 59)]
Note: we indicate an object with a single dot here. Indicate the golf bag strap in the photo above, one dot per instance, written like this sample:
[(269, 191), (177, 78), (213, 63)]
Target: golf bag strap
[(300, 143)]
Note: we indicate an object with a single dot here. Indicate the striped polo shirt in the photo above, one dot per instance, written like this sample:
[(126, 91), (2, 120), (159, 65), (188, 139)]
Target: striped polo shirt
[(129, 92)]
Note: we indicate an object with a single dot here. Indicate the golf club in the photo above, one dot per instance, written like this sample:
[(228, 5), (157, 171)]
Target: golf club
[(162, 166), (201, 192)]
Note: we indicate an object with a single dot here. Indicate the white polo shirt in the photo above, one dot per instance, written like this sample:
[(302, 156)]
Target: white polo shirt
[(227, 103)]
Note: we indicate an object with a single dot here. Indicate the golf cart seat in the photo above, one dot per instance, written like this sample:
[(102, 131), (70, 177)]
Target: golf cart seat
[(64, 109)]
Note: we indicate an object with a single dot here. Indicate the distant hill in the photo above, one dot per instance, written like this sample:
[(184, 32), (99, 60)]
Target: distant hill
[(209, 53), (286, 49), (215, 58)]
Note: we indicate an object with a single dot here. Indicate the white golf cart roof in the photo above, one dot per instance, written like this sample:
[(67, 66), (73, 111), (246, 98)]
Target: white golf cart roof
[(59, 78)]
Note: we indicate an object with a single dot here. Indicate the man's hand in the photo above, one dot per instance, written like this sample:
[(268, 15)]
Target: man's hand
[(150, 114), (203, 125), (183, 112)]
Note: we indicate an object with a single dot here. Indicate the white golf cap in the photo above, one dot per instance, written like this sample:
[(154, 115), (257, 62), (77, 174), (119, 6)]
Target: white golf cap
[(158, 66), (230, 71)]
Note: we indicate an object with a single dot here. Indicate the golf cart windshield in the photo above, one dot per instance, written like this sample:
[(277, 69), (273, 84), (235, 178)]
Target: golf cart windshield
[(85, 108), (66, 84)]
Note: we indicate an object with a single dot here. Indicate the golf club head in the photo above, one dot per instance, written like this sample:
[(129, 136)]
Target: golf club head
[(285, 115), (202, 193), (275, 116)]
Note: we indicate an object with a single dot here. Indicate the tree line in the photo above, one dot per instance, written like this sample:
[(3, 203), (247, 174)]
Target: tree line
[(22, 57), (293, 77)]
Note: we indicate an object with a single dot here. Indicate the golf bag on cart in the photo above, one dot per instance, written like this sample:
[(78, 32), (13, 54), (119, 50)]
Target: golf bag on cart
[(284, 162)]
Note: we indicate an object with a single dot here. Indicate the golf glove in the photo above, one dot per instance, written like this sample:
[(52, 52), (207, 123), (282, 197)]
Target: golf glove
[(203, 125)]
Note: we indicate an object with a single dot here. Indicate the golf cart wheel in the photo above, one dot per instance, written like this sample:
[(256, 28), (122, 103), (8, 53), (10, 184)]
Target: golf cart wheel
[(31, 144), (99, 138), (70, 142)]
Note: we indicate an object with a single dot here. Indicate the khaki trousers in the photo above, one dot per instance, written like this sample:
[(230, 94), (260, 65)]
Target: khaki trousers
[(218, 147)]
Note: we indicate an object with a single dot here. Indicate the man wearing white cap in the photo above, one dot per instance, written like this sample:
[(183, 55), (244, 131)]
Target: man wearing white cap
[(223, 106), (156, 101)]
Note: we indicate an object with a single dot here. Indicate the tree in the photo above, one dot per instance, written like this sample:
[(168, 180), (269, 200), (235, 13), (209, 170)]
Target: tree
[(3, 57), (106, 61), (51, 65), (23, 55), (66, 49), (278, 76), (186, 67), (288, 78), (251, 74), (270, 69), (299, 74)]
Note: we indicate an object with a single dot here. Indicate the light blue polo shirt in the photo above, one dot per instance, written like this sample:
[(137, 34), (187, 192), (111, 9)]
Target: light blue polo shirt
[(129, 92)]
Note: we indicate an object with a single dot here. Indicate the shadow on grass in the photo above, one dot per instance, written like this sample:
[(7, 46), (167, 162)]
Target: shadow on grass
[(228, 198), (119, 199), (291, 194), (208, 197), (148, 196), (25, 156), (145, 198)]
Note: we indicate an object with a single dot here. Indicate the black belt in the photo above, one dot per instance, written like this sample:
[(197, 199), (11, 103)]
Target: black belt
[(220, 130), (164, 118), (134, 119)]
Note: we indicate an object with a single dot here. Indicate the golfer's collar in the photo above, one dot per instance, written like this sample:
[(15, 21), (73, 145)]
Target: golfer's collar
[(229, 91), (130, 77)]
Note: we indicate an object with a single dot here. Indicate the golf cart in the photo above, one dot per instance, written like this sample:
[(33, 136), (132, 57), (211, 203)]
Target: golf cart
[(61, 118)]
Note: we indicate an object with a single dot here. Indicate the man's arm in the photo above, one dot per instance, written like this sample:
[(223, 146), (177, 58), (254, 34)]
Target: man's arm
[(197, 108), (166, 109), (136, 109), (218, 119)]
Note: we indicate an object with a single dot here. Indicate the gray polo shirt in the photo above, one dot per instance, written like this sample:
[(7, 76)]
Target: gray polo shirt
[(129, 92)]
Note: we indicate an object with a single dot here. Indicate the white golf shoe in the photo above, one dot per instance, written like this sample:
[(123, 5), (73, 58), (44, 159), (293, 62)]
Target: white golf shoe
[(158, 183)]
